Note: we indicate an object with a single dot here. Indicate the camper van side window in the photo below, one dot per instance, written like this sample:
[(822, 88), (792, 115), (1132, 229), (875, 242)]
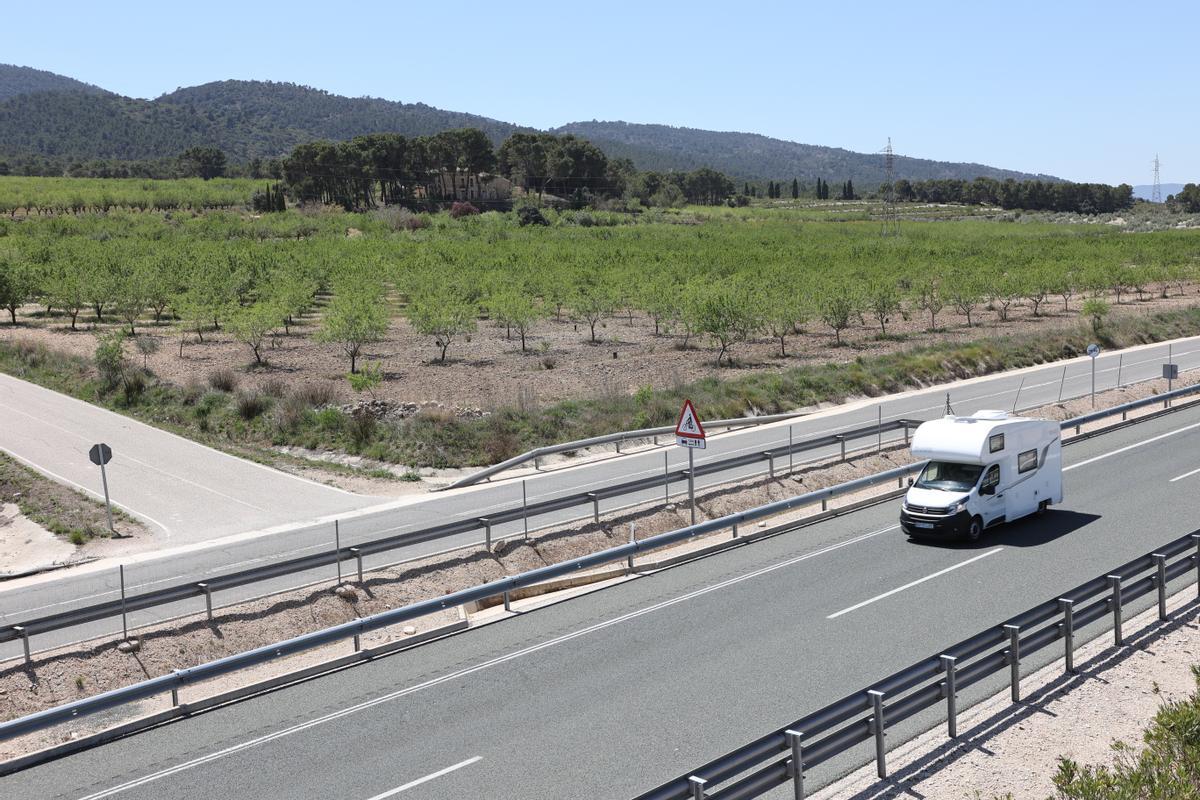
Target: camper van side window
[(996, 442), (992, 478), (1027, 461)]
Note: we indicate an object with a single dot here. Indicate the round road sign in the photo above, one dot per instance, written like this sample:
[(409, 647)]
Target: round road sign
[(1093, 350)]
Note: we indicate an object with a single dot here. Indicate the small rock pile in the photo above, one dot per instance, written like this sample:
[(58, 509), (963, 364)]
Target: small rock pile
[(387, 410)]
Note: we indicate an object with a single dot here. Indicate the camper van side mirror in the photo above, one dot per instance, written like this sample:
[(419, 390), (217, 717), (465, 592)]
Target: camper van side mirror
[(910, 481), (987, 489)]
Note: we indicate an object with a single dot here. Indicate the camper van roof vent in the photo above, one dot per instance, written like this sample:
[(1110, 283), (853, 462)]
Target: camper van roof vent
[(990, 414)]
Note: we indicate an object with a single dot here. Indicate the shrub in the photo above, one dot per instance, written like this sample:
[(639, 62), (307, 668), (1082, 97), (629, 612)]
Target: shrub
[(314, 395), (1096, 310), (361, 427), (191, 391), (223, 380), (274, 387), (250, 404), (134, 385), (290, 411), (549, 362), (401, 219), (110, 359), (530, 215), (458, 210)]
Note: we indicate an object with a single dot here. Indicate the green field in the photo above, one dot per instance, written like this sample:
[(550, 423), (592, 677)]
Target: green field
[(716, 278), (75, 195)]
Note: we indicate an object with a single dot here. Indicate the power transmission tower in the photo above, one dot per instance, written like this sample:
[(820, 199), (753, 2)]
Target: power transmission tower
[(891, 217), (1156, 192)]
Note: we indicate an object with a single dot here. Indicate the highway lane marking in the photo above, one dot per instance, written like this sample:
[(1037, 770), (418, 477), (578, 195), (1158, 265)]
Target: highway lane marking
[(1133, 446), (917, 582), (427, 778), (462, 673), (1184, 475)]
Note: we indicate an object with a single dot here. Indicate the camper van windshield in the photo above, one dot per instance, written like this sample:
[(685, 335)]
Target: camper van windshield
[(948, 476)]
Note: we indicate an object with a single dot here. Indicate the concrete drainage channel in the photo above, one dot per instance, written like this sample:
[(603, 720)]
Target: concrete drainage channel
[(557, 577)]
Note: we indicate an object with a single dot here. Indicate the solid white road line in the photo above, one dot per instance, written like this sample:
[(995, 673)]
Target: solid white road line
[(246, 745), (427, 778), (914, 583), (1133, 446), (1184, 475)]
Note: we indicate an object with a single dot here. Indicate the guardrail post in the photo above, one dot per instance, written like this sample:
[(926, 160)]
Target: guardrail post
[(175, 690), (24, 634), (207, 598), (525, 509), (875, 697), (1014, 660), (879, 431), (770, 464), (1160, 581), (906, 433), (791, 453), (666, 480), (358, 640), (1196, 539), (951, 691), (1068, 623), (1114, 583), (124, 619), (697, 785), (618, 446), (842, 441), (632, 540), (796, 765), (337, 550), (487, 533), (824, 503), (507, 602), (537, 463), (595, 506), (735, 535), (358, 557)]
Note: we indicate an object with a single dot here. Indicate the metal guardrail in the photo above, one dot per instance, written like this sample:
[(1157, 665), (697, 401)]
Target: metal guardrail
[(336, 556), (609, 438), (1165, 398), (782, 756), (353, 630)]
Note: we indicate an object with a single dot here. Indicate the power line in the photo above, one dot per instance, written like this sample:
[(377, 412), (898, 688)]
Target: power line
[(891, 216), (1156, 192)]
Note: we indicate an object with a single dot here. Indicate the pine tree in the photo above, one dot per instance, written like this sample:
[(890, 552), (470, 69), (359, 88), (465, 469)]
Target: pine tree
[(849, 190)]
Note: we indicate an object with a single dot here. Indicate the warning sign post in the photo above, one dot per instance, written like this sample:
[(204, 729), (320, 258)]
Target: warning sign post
[(689, 433)]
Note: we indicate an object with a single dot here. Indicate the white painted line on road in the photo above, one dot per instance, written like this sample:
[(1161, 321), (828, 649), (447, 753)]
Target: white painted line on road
[(462, 673), (914, 583), (1184, 475), (427, 778), (1128, 447)]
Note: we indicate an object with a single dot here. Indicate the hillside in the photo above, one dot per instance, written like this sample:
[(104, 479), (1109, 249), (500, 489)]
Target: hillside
[(16, 80), (52, 117), (752, 156)]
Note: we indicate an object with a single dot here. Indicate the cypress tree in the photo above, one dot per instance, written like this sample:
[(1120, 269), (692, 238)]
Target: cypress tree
[(795, 189)]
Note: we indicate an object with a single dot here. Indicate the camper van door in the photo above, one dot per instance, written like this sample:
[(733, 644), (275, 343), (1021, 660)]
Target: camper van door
[(991, 506)]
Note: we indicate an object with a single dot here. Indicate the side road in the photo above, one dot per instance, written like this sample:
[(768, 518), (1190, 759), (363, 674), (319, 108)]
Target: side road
[(186, 492)]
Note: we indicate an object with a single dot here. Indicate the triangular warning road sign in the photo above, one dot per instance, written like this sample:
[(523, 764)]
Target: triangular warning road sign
[(689, 426)]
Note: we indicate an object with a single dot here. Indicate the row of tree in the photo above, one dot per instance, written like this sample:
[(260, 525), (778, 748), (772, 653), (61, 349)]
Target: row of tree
[(1080, 198)]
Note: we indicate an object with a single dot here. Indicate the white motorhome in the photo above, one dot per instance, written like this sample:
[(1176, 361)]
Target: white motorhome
[(983, 470)]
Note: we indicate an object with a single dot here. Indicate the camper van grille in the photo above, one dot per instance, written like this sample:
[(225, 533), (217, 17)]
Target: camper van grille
[(937, 510)]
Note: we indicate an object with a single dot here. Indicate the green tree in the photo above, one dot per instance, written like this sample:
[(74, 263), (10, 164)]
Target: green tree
[(252, 324), (517, 309), (17, 282), (356, 316), (929, 298), (443, 313), (883, 300), (1096, 310), (795, 188), (592, 301), (839, 305), (202, 162), (728, 314)]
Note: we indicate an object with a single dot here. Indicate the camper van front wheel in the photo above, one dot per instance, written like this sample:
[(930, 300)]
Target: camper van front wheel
[(975, 529)]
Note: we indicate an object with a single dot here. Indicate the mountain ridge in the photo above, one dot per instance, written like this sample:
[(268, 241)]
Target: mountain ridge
[(49, 116)]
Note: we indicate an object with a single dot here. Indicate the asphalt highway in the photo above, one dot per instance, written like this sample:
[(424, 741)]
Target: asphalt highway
[(608, 694), (25, 599)]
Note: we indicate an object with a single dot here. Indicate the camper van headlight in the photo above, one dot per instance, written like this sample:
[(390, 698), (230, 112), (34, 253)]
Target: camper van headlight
[(961, 505)]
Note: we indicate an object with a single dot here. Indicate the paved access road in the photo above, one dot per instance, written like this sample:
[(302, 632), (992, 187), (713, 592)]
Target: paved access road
[(186, 491), (609, 694), (24, 600)]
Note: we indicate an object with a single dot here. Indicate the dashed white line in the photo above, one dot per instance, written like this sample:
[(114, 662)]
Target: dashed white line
[(917, 582), (1133, 446), (427, 778), (1184, 475)]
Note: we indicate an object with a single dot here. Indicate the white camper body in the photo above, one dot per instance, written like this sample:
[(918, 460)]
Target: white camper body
[(983, 470)]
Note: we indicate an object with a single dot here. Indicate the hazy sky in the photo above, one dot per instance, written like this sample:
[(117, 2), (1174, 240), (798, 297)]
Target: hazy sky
[(1082, 90)]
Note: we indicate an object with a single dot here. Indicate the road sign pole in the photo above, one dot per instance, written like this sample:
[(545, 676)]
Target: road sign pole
[(107, 504), (124, 624), (1093, 350), (692, 482)]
